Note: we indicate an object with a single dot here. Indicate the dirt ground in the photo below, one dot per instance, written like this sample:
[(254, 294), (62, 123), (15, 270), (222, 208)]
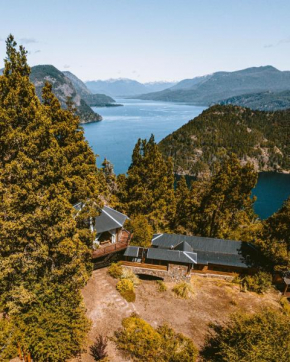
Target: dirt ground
[(213, 300)]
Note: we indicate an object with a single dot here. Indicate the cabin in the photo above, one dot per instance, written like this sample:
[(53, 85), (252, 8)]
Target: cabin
[(111, 236), (198, 254)]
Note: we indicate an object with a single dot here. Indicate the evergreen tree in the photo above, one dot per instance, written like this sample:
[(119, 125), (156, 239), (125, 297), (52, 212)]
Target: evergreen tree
[(275, 238), (149, 186), (142, 231), (45, 166), (183, 206)]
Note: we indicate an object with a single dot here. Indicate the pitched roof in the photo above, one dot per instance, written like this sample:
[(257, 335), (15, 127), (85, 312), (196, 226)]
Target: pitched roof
[(171, 255), (109, 219), (209, 250), (132, 251)]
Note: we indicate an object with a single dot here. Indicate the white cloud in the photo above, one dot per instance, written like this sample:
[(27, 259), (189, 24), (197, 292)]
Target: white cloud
[(28, 40)]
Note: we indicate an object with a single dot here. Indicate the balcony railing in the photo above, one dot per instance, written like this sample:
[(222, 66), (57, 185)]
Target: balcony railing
[(122, 243)]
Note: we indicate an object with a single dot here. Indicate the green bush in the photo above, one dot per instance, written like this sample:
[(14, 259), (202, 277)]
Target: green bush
[(126, 289), (259, 282), (140, 341), (183, 290), (115, 270), (262, 337), (161, 286), (285, 305), (128, 274)]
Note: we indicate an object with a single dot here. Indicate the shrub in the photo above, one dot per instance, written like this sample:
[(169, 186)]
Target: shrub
[(183, 290), (285, 305), (161, 286), (142, 342), (126, 289), (264, 336), (259, 283), (115, 270), (98, 349), (128, 274)]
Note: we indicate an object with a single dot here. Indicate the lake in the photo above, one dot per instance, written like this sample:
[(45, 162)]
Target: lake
[(116, 136)]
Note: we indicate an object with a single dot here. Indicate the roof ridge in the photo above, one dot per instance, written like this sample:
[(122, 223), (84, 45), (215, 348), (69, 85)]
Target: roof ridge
[(112, 217), (116, 211)]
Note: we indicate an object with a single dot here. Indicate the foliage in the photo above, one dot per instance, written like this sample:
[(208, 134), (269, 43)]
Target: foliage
[(8, 346), (264, 336), (183, 290), (285, 305), (222, 130), (148, 189), (142, 342), (275, 238), (141, 230), (130, 275), (126, 289), (98, 349), (115, 270), (221, 207), (260, 282), (46, 166), (161, 286)]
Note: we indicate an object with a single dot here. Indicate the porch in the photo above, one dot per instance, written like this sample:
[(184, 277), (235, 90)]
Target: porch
[(108, 248)]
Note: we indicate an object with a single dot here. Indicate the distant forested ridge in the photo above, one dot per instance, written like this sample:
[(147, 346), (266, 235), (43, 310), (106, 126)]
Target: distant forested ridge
[(261, 138), (263, 101), (213, 88)]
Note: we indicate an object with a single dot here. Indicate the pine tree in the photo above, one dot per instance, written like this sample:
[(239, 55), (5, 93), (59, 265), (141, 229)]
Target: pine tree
[(275, 238), (183, 206), (45, 166), (149, 187), (225, 206)]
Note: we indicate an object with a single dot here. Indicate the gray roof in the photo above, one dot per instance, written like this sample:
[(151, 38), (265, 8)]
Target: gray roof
[(109, 219), (132, 251), (209, 250), (171, 255)]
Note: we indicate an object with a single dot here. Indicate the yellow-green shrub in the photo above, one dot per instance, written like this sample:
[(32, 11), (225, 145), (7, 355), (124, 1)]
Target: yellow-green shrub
[(259, 282), (183, 290), (128, 274), (126, 289), (115, 270), (161, 286), (142, 342), (285, 305)]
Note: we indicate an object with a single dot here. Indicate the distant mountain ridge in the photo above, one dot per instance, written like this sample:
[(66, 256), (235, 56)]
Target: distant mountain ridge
[(263, 101), (218, 86), (93, 100), (125, 87), (62, 87)]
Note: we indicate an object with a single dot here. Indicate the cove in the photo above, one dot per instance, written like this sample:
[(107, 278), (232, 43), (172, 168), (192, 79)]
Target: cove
[(116, 136)]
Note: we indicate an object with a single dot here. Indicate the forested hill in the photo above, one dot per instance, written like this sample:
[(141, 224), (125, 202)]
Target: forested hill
[(222, 85), (62, 87), (259, 137), (263, 101)]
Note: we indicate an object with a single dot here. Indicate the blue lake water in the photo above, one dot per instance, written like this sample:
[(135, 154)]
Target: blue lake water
[(116, 136)]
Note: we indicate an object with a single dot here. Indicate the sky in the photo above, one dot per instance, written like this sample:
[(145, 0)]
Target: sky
[(149, 40)]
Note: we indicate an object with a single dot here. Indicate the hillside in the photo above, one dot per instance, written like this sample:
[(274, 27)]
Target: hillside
[(259, 137), (62, 87), (125, 87), (93, 100), (263, 101), (221, 85)]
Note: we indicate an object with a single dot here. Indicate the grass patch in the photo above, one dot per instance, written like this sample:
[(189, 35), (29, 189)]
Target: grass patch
[(183, 290), (161, 286)]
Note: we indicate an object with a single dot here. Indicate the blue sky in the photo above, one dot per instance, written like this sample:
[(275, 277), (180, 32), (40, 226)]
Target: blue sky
[(149, 40)]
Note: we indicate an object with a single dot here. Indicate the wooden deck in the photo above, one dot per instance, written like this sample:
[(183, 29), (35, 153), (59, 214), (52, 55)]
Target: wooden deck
[(144, 265), (121, 244)]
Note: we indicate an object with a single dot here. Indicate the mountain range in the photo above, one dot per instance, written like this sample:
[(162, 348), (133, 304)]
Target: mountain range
[(216, 87), (125, 87)]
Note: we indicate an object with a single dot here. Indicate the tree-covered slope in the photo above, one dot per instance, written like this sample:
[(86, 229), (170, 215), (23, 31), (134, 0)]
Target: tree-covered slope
[(93, 100), (259, 137), (62, 87), (263, 101), (221, 85)]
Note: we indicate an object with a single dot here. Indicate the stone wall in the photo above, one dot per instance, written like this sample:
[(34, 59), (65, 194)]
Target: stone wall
[(174, 273)]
